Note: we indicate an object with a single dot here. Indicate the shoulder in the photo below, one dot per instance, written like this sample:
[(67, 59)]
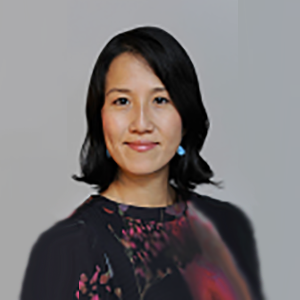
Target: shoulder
[(236, 229), (68, 232), (231, 221), (56, 258), (221, 212), (64, 233)]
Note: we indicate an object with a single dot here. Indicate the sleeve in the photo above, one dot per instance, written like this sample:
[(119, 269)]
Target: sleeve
[(50, 272), (246, 249)]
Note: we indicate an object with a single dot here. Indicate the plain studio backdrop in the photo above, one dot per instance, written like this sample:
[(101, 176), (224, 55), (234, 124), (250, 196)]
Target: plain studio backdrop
[(246, 56)]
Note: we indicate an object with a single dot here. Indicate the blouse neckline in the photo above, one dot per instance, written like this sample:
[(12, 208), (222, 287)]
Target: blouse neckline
[(156, 214)]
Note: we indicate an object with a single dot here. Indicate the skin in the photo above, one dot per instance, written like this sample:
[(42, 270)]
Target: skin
[(140, 112)]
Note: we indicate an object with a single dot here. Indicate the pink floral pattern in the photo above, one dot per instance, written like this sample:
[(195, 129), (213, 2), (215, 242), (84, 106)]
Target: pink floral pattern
[(145, 241), (155, 249), (90, 287)]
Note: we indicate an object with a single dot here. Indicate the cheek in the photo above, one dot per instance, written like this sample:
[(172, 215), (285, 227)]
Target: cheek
[(172, 127), (105, 124), (110, 126)]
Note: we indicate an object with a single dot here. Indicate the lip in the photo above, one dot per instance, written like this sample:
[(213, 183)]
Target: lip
[(141, 146)]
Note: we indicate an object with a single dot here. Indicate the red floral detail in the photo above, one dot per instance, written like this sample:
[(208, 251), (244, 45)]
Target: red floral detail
[(104, 278), (107, 210), (83, 277)]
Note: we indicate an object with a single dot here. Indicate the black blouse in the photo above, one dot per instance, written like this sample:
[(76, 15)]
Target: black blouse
[(111, 251)]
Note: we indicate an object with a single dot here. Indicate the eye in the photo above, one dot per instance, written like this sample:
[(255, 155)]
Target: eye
[(120, 100), (160, 99)]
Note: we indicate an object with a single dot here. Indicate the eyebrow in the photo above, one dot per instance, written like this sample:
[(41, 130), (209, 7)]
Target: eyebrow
[(120, 90)]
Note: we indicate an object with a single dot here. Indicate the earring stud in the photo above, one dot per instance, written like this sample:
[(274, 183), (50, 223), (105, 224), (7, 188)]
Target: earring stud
[(107, 154), (180, 150)]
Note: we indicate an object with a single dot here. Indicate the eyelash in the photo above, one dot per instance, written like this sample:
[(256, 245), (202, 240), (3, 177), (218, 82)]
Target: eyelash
[(155, 98)]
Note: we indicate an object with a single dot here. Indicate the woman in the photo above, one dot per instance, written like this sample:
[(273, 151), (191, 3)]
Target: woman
[(141, 236)]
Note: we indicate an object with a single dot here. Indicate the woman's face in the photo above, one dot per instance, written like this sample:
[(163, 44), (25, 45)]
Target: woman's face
[(137, 107)]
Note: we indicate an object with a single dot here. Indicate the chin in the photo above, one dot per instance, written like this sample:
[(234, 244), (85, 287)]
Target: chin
[(143, 168)]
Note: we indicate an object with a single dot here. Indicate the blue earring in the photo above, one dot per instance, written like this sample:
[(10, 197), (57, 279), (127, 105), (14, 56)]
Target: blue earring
[(180, 150), (107, 153)]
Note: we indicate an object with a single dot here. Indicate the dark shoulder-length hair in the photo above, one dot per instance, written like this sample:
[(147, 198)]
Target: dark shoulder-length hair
[(172, 65)]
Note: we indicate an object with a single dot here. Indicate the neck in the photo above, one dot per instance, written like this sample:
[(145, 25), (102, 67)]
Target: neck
[(151, 190)]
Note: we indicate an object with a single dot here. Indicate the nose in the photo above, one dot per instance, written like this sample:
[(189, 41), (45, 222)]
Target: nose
[(141, 119)]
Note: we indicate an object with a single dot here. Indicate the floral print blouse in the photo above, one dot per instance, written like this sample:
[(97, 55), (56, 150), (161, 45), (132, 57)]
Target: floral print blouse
[(182, 251)]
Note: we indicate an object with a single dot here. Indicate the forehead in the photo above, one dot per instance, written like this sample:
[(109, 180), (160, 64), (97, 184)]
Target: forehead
[(128, 68), (128, 58)]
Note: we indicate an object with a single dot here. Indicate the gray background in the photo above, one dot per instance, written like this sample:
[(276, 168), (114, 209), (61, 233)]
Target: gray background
[(246, 55)]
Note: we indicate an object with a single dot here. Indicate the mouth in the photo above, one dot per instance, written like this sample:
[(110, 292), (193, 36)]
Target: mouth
[(141, 146)]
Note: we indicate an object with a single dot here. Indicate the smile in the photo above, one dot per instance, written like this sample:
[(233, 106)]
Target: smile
[(141, 147)]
